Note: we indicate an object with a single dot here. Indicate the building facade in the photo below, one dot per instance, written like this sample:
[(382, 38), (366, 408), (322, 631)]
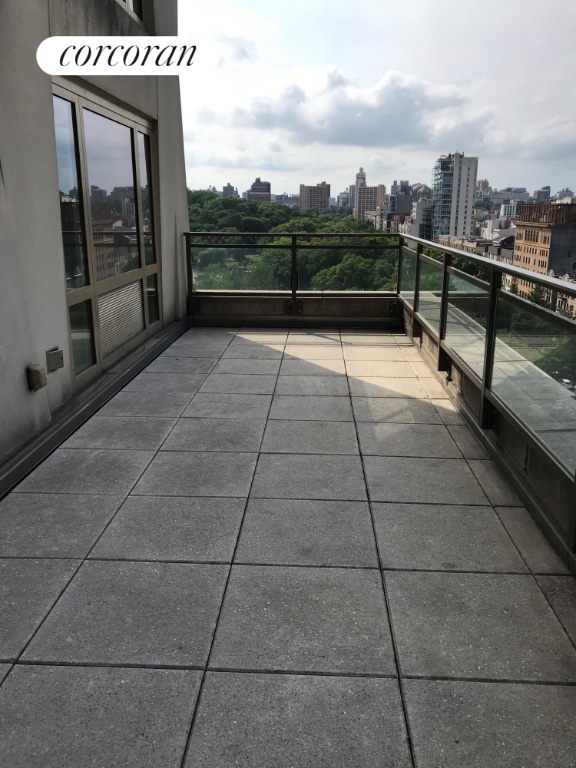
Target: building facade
[(368, 199), (453, 185), (92, 249), (315, 198), (545, 241), (259, 191)]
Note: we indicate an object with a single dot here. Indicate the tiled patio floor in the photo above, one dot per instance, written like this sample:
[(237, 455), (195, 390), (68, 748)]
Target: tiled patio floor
[(279, 549)]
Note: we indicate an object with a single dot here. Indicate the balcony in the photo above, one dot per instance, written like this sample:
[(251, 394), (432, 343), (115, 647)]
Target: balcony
[(284, 544)]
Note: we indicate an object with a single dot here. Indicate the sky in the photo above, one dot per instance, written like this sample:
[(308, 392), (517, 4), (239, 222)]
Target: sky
[(306, 91)]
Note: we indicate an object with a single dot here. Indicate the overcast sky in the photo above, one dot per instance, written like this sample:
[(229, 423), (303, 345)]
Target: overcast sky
[(310, 90)]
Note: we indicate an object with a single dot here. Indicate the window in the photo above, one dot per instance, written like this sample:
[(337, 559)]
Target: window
[(106, 202)]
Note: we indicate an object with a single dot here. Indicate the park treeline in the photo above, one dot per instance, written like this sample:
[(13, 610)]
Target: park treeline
[(363, 265)]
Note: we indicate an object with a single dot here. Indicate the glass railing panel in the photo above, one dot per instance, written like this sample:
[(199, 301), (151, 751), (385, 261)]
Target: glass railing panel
[(249, 268), (466, 321), (358, 266), (408, 276), (430, 293), (535, 375)]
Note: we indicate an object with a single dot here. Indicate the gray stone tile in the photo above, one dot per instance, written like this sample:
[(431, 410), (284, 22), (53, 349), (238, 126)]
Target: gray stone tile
[(4, 669), (494, 484), (260, 337), (368, 338), (397, 410), (312, 368), (298, 720), (239, 384), (209, 405), (198, 474), (82, 470), (291, 436), (186, 365), (312, 385), (313, 352), (297, 338), (422, 369), (561, 593), (438, 537), (530, 540), (133, 613), (145, 404), (304, 620), (379, 368), (28, 589), (201, 348), (376, 353), (423, 440), (182, 383), (121, 432), (437, 481), (215, 435), (254, 352), (173, 528), (295, 532), (247, 366), (492, 626), (285, 476), (380, 386), (63, 717), (479, 725), (467, 442), (308, 407), (434, 388), (447, 412), (53, 524)]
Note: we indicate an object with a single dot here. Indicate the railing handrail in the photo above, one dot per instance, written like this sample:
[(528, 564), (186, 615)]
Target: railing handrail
[(554, 283)]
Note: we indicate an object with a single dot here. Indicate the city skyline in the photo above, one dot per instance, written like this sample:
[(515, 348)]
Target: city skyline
[(306, 93)]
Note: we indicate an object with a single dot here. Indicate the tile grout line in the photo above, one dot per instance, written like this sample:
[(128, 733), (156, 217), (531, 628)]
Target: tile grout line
[(225, 590), (387, 608)]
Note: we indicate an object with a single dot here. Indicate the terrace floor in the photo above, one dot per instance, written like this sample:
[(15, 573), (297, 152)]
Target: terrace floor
[(281, 549)]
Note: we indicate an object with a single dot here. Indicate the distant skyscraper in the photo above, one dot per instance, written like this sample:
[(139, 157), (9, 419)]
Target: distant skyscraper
[(229, 191), (360, 182), (315, 198), (368, 199), (453, 188), (259, 191)]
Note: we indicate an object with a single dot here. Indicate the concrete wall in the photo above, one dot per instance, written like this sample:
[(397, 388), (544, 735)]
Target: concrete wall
[(33, 312)]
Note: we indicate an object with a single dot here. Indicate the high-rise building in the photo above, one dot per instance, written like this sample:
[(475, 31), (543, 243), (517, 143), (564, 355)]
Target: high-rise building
[(259, 192), (229, 191), (453, 188), (315, 198), (369, 199), (360, 182), (343, 199)]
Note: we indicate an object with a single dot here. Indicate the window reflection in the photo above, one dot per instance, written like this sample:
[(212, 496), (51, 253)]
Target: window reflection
[(82, 337), (146, 195), (73, 236), (112, 200)]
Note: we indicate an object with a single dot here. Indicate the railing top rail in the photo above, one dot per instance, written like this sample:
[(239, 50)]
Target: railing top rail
[(554, 283), (320, 235)]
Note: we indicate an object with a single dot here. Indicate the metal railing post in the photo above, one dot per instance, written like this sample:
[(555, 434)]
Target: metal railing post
[(487, 413), (419, 251), (443, 363), (401, 242), (189, 275), (294, 268)]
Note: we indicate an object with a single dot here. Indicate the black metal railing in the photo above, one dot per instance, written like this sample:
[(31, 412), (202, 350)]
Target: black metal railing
[(511, 331)]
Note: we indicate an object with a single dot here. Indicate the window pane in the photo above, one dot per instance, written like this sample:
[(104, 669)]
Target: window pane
[(152, 294), (136, 6), (82, 337), (73, 236), (146, 194), (112, 201)]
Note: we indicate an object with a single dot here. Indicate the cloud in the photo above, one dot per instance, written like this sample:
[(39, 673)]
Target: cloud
[(241, 48), (399, 110)]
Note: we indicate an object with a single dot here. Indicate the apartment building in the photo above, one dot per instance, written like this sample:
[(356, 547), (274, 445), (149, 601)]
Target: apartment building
[(453, 186), (315, 198)]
